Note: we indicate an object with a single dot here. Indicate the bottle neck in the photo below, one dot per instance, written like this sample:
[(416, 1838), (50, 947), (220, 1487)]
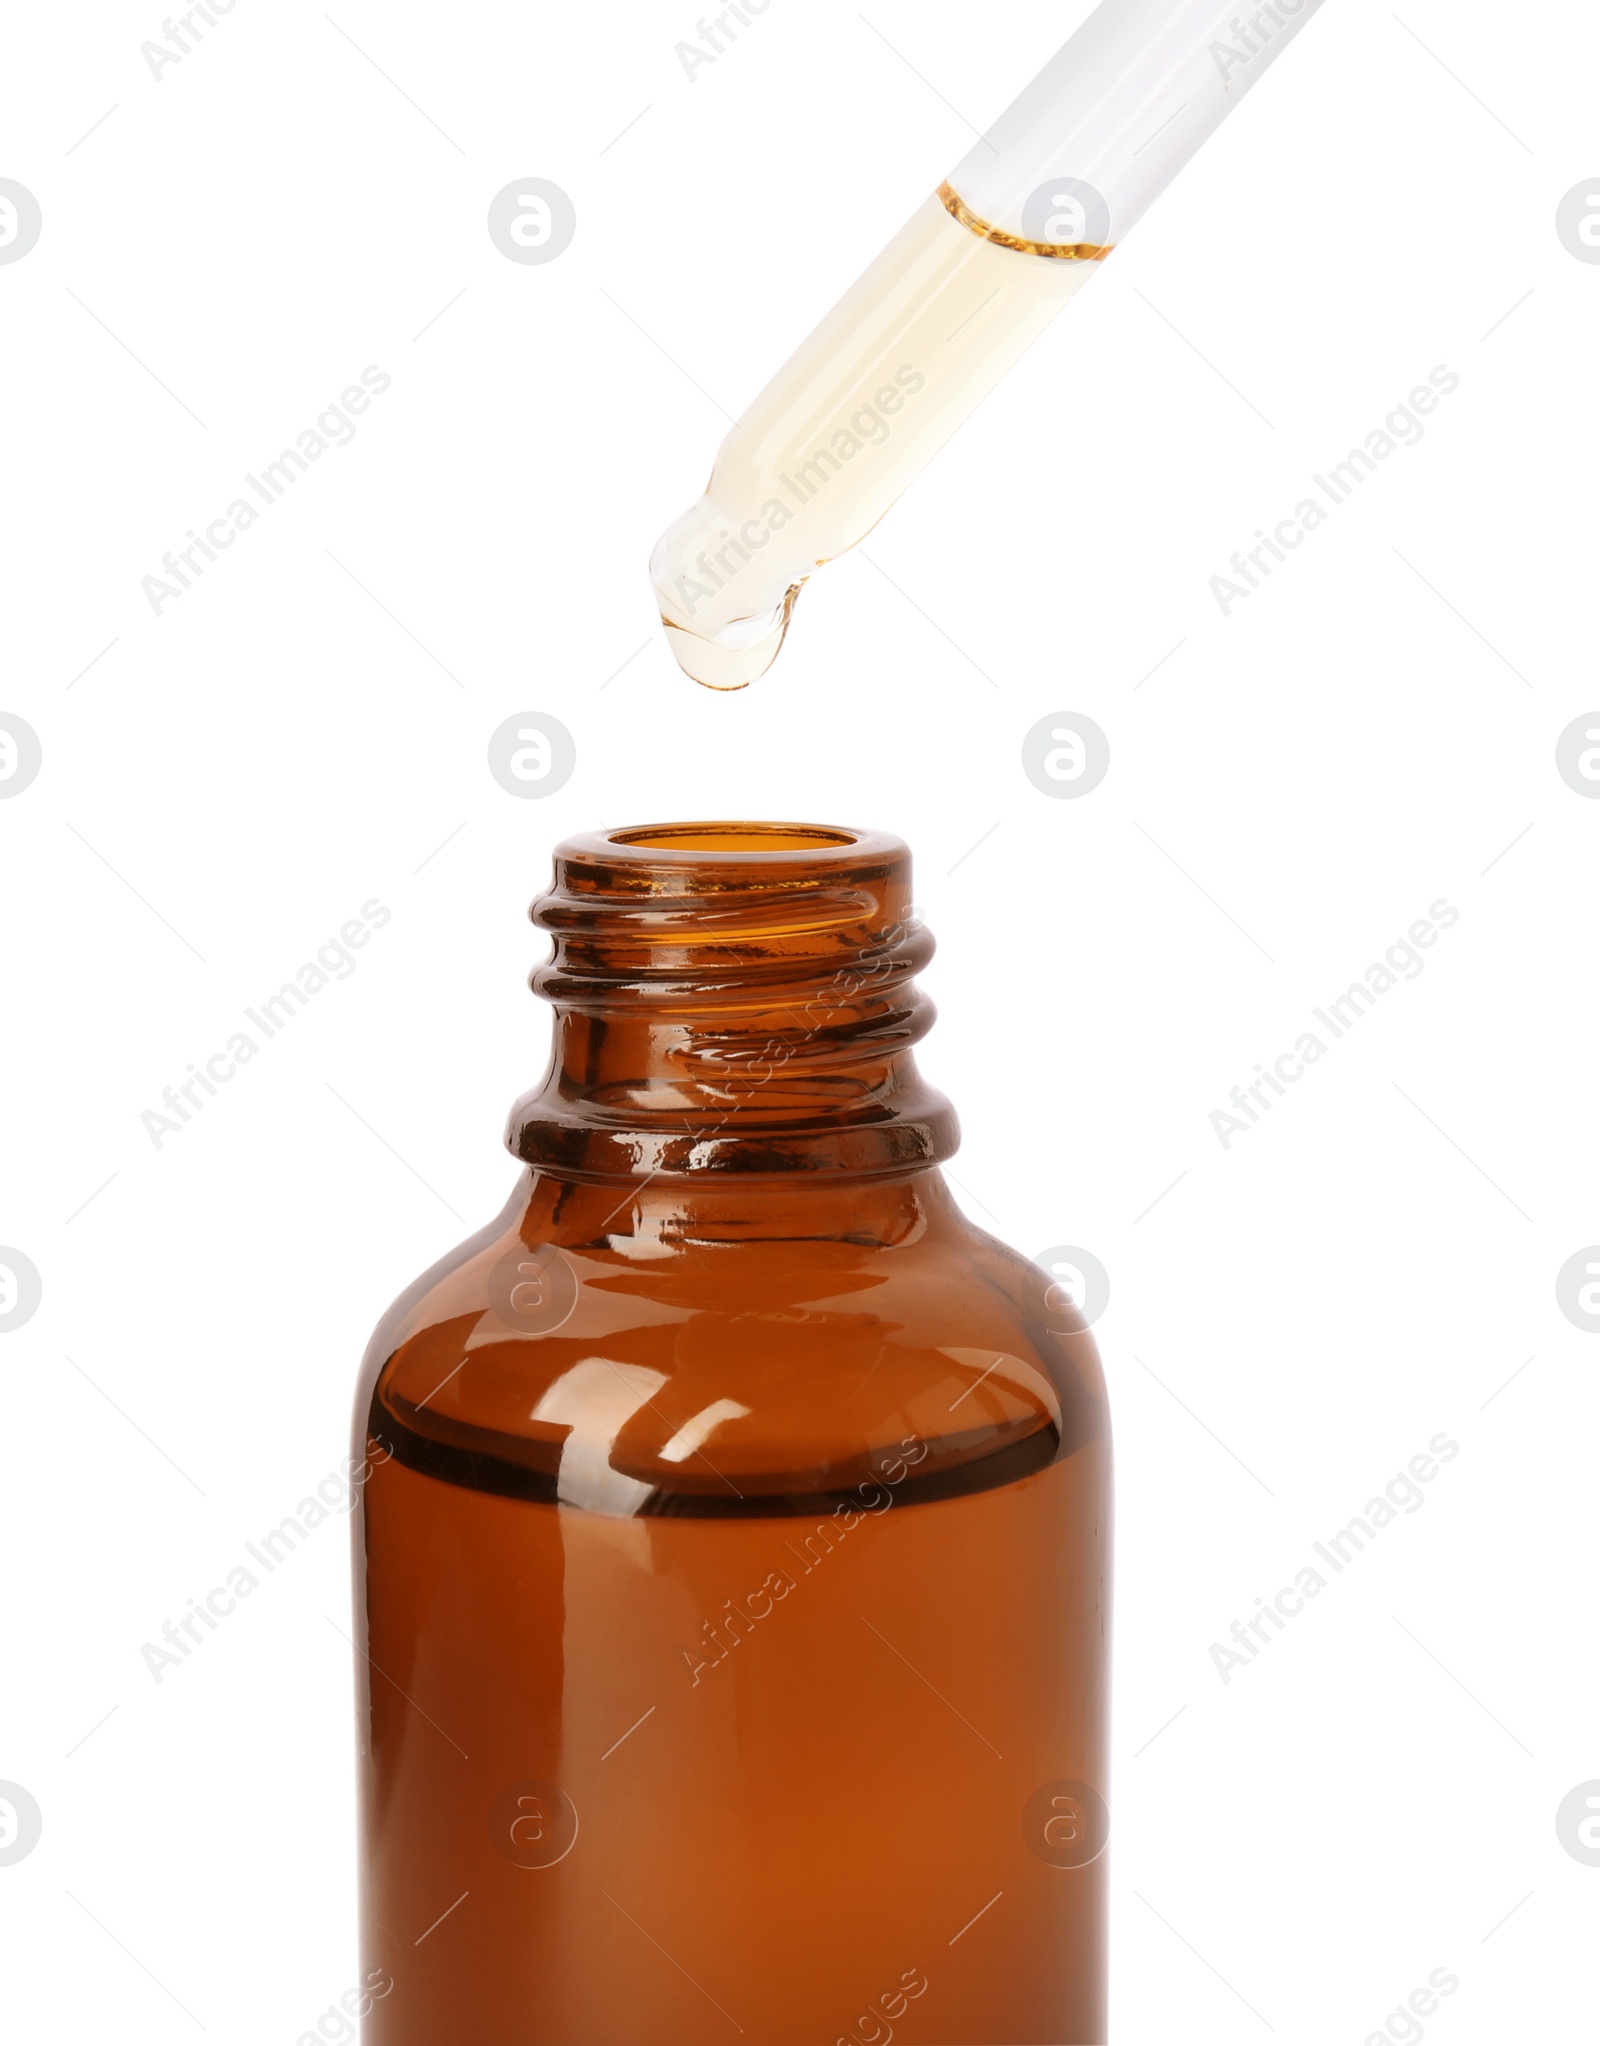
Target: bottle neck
[(733, 998)]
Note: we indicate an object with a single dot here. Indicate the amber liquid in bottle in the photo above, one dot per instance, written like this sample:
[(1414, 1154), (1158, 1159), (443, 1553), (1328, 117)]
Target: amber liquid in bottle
[(732, 1562)]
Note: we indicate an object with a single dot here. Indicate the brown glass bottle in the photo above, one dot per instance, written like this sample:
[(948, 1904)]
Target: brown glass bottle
[(732, 1563)]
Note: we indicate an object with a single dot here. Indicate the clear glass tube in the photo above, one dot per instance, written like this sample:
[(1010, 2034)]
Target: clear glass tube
[(934, 323)]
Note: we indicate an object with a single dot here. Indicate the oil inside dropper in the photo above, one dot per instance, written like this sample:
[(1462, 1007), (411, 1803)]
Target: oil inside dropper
[(851, 419)]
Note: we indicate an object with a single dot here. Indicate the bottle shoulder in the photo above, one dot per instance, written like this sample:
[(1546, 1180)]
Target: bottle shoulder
[(676, 1373)]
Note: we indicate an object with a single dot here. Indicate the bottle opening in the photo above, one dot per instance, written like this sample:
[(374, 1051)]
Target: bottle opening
[(732, 995), (733, 838)]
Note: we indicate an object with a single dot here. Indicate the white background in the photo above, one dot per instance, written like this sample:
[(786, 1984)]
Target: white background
[(1291, 1321)]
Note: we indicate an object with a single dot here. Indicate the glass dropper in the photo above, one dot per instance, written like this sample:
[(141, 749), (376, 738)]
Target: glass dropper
[(934, 323)]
